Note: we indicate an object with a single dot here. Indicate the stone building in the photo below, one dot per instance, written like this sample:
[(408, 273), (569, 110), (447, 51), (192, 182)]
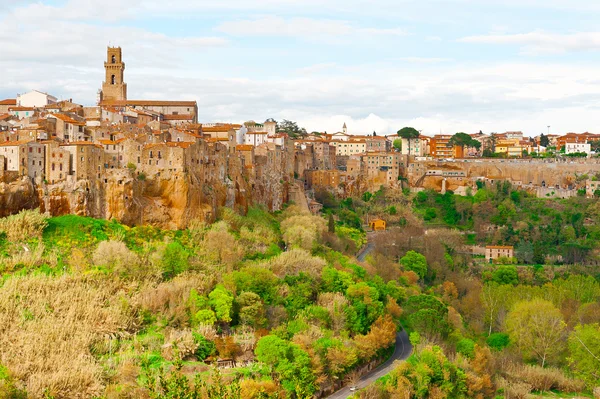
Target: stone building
[(349, 147), (493, 252), (322, 178), (68, 127), (57, 162), (377, 144), (114, 95), (24, 157), (6, 104), (85, 160), (114, 87)]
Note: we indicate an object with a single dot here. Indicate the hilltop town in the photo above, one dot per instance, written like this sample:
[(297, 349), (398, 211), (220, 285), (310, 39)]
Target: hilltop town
[(154, 162)]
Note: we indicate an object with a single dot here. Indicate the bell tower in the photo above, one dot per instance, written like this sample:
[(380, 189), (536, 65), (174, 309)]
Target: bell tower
[(114, 88)]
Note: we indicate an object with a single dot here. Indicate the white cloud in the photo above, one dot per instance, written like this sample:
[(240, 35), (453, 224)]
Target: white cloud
[(301, 27), (540, 42)]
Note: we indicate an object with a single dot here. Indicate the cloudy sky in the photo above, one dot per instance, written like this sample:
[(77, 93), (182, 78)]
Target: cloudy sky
[(437, 65)]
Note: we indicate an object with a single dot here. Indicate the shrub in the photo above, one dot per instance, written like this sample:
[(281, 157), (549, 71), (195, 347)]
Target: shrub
[(46, 339), (466, 347), (302, 231), (295, 261), (505, 275), (116, 256), (174, 260), (24, 226), (498, 341), (544, 379), (204, 347)]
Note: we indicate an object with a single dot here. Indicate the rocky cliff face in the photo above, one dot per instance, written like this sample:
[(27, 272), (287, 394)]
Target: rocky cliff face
[(16, 196), (169, 202), (205, 180)]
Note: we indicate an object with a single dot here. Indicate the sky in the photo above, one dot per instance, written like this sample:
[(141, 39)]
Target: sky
[(437, 65)]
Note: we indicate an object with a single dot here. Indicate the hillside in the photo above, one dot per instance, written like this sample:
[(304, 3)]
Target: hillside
[(276, 305)]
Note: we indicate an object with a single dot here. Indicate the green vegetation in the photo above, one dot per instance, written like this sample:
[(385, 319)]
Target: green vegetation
[(144, 312), (281, 300)]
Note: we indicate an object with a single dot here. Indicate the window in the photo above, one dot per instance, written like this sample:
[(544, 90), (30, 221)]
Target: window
[(112, 79), (114, 59)]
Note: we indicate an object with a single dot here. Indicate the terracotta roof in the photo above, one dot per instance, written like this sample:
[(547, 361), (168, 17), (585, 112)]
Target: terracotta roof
[(9, 101), (182, 144), (192, 134), (157, 103), (111, 142), (67, 118), (257, 133), (4, 116), (13, 143), (21, 109), (244, 147), (81, 143)]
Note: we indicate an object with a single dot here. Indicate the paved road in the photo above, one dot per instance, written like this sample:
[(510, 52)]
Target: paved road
[(401, 352)]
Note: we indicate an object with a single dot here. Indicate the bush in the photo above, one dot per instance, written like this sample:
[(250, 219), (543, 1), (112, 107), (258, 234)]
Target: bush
[(174, 260), (544, 379), (24, 226), (498, 341), (116, 256), (505, 275), (295, 261), (466, 347)]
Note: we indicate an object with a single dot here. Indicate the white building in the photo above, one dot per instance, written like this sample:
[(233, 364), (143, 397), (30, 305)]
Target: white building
[(571, 148), (256, 138), (24, 157), (418, 147), (35, 99), (345, 147)]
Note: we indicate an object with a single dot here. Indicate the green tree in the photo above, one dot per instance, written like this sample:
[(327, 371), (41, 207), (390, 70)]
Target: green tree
[(221, 301), (397, 145), (544, 140), (251, 310), (463, 140), (205, 348), (409, 133), (498, 341), (584, 353), (416, 262), (506, 275), (174, 260), (537, 328), (466, 347), (427, 315), (365, 309), (291, 129), (289, 361), (331, 224)]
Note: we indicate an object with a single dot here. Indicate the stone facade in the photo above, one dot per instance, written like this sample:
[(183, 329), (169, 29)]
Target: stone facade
[(114, 87)]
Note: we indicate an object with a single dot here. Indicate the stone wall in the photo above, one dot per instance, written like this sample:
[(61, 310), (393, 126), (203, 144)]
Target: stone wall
[(526, 172)]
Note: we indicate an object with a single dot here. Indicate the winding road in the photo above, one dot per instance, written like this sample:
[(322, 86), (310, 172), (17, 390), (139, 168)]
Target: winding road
[(402, 351)]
